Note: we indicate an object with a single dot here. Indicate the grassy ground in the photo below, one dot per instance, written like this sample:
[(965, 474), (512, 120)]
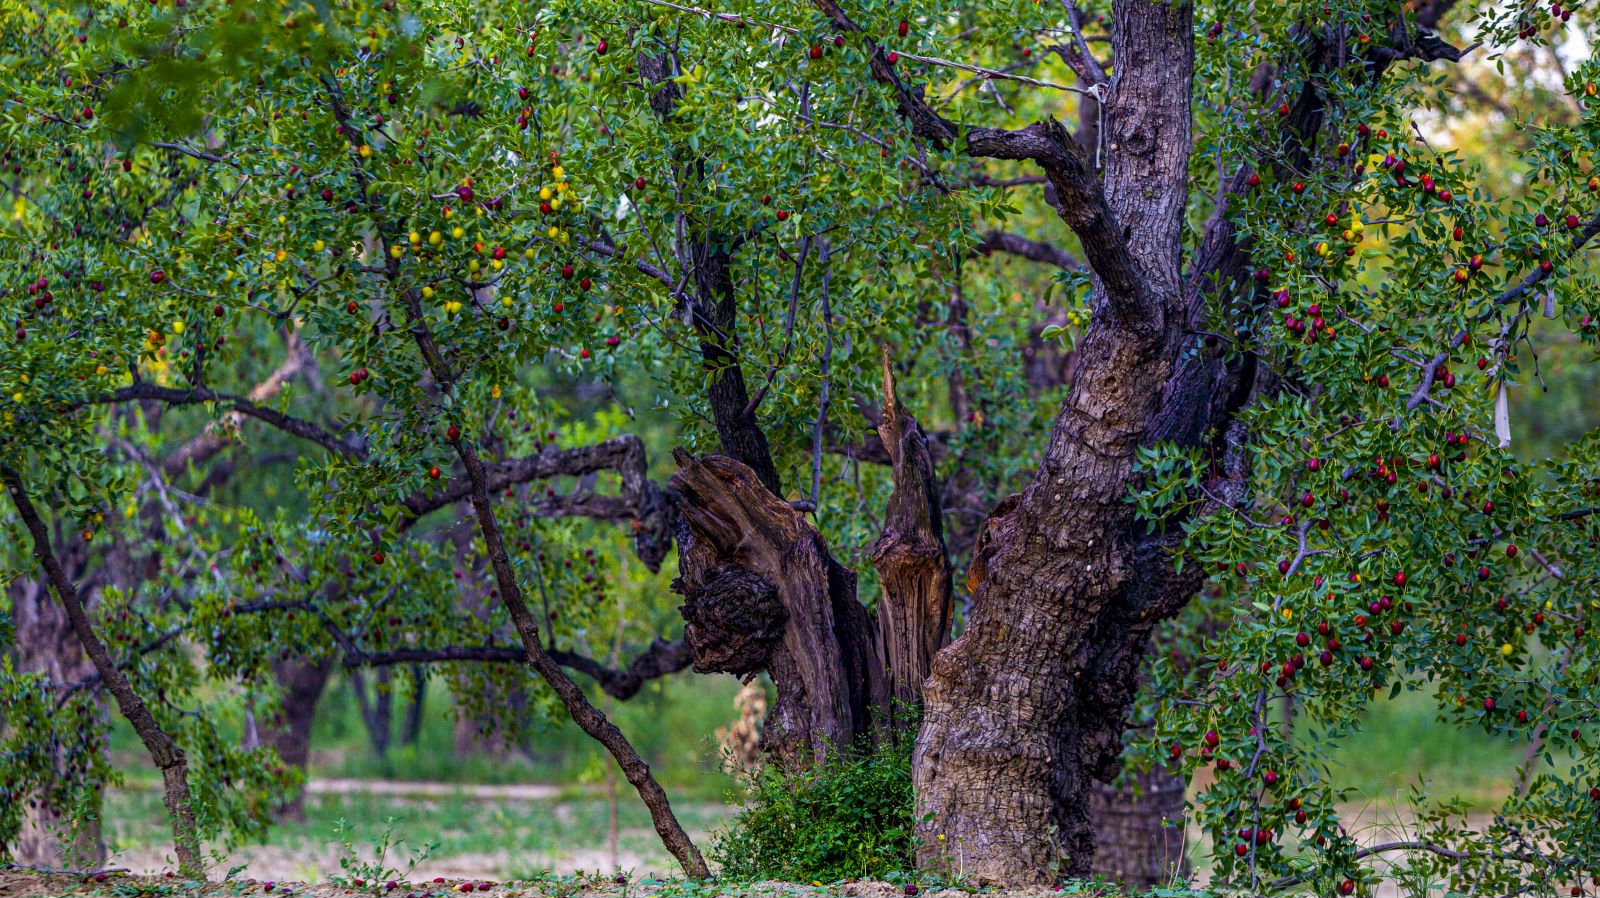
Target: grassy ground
[(671, 723), (672, 726), (1403, 745), (449, 836)]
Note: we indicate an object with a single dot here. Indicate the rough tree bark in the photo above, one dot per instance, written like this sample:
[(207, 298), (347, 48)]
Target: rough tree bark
[(761, 592), (913, 565), (1003, 771), (165, 753)]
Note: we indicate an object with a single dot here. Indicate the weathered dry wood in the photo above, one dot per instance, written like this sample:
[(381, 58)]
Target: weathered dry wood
[(910, 557), (745, 558)]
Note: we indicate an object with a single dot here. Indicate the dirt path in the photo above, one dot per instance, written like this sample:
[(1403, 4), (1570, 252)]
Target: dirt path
[(424, 789)]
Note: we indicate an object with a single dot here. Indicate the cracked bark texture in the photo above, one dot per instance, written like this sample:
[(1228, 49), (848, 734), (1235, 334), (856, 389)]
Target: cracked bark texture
[(913, 565), (1005, 762), (762, 592)]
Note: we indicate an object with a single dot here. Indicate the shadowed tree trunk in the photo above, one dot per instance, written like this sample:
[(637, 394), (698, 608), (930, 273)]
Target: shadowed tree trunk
[(45, 643), (167, 756), (911, 560), (761, 592), (1139, 829), (289, 730), (377, 711)]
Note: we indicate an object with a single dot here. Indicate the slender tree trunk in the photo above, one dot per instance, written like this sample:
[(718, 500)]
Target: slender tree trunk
[(289, 729), (411, 729), (376, 712), (584, 714), (165, 753)]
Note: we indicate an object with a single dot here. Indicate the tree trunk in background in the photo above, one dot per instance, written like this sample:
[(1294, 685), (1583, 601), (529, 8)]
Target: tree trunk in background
[(1139, 829), (289, 731), (411, 730), (45, 644), (377, 712)]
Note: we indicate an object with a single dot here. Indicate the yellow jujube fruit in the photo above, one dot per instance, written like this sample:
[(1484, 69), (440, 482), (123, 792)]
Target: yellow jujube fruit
[(319, 246), (1507, 649), (435, 238), (496, 264), (414, 237), (365, 151), (544, 193), (427, 292), (396, 251), (457, 233), (177, 327)]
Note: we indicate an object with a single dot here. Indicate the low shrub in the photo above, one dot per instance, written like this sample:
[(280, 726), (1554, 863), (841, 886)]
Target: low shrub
[(851, 816)]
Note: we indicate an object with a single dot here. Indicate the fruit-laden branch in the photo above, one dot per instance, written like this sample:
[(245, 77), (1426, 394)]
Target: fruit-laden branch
[(165, 753), (642, 502), (584, 714), (1034, 250), (661, 659), (193, 396)]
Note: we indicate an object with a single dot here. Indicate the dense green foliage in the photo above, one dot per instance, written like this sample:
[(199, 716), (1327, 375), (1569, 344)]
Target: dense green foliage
[(205, 193)]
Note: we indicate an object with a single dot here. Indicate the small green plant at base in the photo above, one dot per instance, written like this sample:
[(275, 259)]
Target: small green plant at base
[(850, 816), (375, 873)]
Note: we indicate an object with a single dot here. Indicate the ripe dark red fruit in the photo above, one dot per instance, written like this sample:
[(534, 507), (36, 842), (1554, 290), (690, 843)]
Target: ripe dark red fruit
[(157, 276), (783, 215), (464, 192), (377, 558), (1212, 740), (816, 51), (1488, 704), (903, 28), (638, 183), (434, 472), (1254, 180), (1572, 222), (893, 57), (601, 48)]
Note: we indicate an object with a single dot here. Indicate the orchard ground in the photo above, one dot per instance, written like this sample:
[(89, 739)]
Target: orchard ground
[(499, 819)]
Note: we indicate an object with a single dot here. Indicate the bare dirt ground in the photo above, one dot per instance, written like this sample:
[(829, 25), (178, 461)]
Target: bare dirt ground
[(35, 885)]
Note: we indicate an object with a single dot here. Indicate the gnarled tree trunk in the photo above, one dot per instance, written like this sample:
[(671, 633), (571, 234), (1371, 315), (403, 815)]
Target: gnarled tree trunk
[(913, 565), (761, 592)]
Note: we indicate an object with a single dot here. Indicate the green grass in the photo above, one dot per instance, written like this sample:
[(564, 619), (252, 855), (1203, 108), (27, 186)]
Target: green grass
[(1404, 743), (671, 723), (499, 839)]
